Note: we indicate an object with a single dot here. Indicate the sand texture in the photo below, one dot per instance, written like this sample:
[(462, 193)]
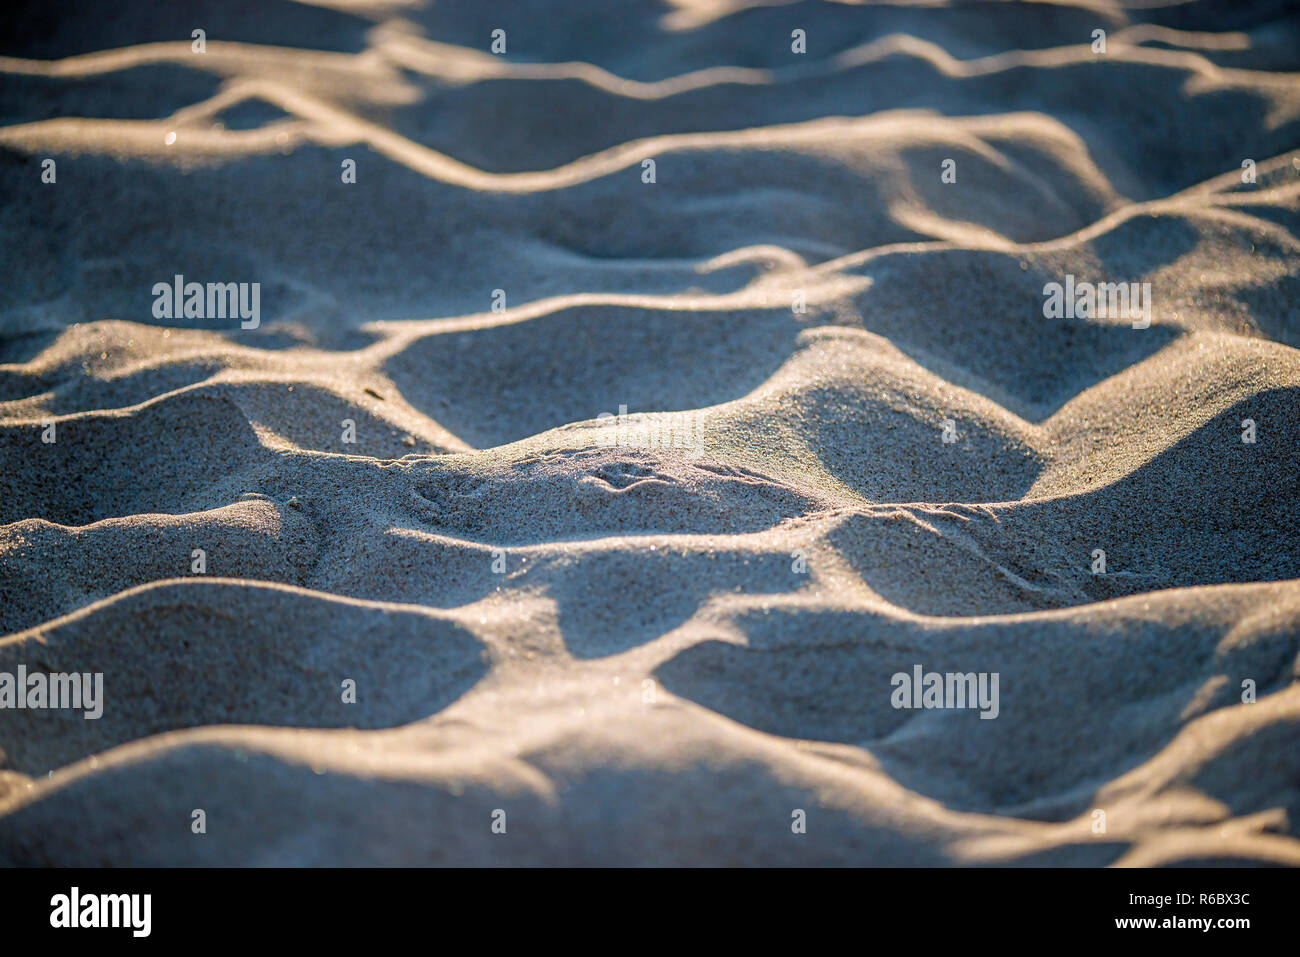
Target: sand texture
[(625, 650)]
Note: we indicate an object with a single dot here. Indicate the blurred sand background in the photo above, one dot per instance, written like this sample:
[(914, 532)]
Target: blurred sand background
[(678, 648)]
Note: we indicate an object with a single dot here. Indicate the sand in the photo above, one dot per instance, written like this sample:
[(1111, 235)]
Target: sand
[(853, 444)]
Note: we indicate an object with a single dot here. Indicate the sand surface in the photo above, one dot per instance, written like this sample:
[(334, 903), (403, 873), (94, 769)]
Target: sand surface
[(626, 651)]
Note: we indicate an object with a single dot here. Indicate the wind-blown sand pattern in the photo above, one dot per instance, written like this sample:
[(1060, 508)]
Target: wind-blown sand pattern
[(651, 654)]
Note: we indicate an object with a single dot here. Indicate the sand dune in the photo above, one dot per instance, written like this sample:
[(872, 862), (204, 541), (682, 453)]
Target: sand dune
[(622, 502)]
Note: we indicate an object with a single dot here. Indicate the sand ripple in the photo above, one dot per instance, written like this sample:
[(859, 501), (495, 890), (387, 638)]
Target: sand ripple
[(647, 649)]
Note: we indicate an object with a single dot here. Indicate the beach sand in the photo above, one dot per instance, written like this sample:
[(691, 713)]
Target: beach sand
[(856, 442)]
